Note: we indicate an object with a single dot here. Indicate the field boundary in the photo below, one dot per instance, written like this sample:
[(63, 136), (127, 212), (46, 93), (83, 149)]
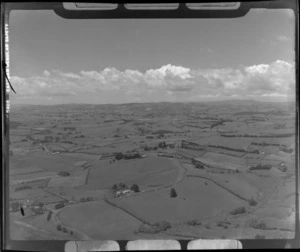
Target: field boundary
[(220, 185), (126, 211)]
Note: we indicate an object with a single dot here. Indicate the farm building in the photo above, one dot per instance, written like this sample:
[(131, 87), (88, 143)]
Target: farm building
[(122, 192)]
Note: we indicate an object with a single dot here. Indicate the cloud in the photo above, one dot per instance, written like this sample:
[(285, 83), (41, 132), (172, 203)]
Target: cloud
[(282, 38), (276, 79)]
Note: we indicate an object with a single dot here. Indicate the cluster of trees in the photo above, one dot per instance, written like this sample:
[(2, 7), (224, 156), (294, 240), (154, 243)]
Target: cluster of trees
[(258, 225), (64, 173), (134, 187), (261, 167), (59, 205), (81, 136), (197, 164), (266, 136), (69, 128), (194, 222), (49, 215), (21, 188), (287, 150), (155, 228), (252, 202), (63, 229), (161, 145), (133, 156), (239, 210), (173, 193), (86, 199), (149, 148), (120, 156)]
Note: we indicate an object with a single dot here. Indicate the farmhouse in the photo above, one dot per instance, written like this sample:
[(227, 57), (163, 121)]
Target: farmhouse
[(120, 193)]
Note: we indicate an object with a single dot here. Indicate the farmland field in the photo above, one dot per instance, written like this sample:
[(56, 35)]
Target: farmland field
[(132, 167), (114, 220)]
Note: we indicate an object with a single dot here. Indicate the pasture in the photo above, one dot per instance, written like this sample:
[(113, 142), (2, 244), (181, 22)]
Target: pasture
[(143, 172), (112, 223), (194, 200)]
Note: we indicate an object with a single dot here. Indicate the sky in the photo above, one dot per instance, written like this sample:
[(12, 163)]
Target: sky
[(54, 60)]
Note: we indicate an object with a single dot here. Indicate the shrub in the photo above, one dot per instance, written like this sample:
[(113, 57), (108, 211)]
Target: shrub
[(71, 232), (65, 230), (135, 188), (58, 227), (252, 202), (24, 140), (194, 222), (239, 210), (173, 193), (115, 187)]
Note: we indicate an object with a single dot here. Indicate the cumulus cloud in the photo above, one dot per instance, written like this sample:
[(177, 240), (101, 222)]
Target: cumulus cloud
[(276, 79)]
